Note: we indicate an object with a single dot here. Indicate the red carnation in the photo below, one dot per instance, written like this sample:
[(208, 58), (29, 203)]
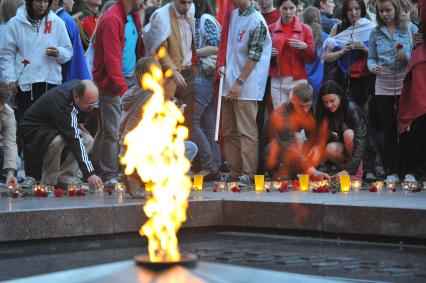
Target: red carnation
[(25, 62), (399, 46), (268, 190), (283, 187), (58, 192), (24, 195), (38, 193), (109, 191), (372, 189), (71, 193), (215, 190), (235, 189), (15, 195)]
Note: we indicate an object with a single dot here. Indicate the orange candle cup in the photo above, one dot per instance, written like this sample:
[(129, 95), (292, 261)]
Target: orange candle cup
[(304, 183), (259, 182), (198, 182), (345, 183)]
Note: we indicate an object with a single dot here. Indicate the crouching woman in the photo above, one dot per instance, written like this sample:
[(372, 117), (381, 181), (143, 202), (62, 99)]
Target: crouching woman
[(347, 130)]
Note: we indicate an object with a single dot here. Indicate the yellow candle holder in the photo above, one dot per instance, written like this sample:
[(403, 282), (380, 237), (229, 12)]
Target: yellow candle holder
[(259, 182), (345, 183), (304, 183), (198, 182)]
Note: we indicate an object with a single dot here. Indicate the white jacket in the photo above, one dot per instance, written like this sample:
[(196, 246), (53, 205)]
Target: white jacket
[(21, 41)]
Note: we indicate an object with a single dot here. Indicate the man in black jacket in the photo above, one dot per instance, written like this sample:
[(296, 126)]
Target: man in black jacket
[(54, 122)]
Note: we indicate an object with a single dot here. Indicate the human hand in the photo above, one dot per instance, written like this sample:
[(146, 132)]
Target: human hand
[(314, 172), (400, 56), (13, 87), (234, 91), (179, 79), (360, 46), (83, 128), (418, 38), (221, 70), (11, 181), (298, 44), (95, 181), (52, 51), (346, 48), (377, 69), (274, 52)]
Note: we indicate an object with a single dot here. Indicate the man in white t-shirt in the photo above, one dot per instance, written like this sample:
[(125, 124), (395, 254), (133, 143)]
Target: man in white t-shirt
[(247, 59)]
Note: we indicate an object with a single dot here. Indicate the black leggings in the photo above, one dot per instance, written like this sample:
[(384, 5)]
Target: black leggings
[(388, 109)]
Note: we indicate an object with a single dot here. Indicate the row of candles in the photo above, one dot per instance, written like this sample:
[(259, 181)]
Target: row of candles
[(304, 184)]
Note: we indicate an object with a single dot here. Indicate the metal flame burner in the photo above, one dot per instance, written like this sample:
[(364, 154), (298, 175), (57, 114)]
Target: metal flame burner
[(187, 260)]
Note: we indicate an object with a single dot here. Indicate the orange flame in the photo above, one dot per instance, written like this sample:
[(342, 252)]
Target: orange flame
[(155, 148)]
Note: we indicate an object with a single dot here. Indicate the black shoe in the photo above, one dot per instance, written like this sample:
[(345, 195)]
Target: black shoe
[(212, 176), (230, 179)]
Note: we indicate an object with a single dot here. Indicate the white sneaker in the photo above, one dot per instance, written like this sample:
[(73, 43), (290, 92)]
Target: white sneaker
[(28, 183), (392, 179), (410, 178)]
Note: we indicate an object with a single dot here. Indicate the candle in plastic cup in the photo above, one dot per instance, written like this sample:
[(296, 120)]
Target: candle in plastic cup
[(198, 182), (345, 183), (259, 181), (304, 183)]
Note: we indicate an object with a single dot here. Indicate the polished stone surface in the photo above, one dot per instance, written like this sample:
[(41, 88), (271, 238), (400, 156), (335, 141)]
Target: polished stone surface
[(398, 213), (332, 256), (127, 272)]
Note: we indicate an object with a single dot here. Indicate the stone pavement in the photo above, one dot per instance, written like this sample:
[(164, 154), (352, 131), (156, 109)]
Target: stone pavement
[(398, 214)]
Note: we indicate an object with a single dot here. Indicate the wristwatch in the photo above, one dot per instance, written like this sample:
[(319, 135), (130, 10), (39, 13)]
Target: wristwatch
[(240, 81)]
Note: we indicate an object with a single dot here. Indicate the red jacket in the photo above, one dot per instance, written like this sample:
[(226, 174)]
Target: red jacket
[(298, 57), (109, 44)]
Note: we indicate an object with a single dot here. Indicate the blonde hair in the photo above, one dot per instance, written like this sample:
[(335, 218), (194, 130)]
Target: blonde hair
[(143, 66)]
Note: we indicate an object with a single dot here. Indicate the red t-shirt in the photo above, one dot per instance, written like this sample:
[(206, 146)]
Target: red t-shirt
[(272, 17)]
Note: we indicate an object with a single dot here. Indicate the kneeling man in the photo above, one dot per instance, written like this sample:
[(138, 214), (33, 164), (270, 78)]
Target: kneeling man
[(297, 144), (55, 122)]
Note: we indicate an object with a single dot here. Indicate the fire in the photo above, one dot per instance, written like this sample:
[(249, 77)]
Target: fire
[(155, 148)]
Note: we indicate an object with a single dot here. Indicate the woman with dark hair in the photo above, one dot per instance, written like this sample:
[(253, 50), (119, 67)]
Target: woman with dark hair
[(292, 48), (207, 34), (347, 129), (348, 46), (34, 46)]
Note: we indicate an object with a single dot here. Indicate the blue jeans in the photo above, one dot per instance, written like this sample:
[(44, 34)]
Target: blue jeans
[(203, 126), (190, 150)]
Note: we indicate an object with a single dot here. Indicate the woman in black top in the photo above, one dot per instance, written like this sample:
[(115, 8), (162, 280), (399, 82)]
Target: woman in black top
[(347, 129)]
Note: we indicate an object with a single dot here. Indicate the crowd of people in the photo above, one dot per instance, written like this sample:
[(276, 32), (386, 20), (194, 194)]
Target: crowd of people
[(314, 89)]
